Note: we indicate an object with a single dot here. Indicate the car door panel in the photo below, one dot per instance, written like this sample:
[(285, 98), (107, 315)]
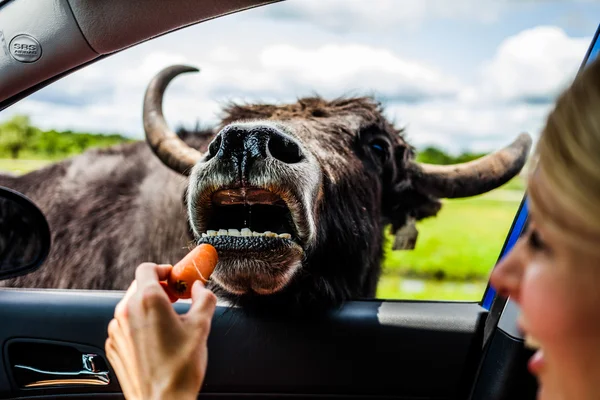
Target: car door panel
[(407, 350)]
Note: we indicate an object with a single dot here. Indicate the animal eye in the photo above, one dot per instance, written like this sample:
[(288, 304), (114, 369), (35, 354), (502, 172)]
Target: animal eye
[(380, 149)]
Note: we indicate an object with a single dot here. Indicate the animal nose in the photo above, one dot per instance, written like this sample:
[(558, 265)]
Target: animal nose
[(246, 143)]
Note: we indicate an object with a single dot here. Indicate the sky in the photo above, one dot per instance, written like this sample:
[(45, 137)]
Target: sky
[(463, 75)]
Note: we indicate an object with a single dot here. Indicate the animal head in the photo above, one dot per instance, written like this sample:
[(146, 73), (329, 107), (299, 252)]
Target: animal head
[(295, 197)]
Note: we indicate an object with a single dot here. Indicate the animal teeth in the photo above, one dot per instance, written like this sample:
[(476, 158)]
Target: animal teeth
[(245, 232)]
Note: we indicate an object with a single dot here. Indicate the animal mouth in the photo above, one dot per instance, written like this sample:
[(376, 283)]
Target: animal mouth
[(255, 233), (250, 215)]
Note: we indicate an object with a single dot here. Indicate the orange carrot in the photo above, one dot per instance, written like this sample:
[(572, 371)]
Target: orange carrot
[(198, 264), (170, 293)]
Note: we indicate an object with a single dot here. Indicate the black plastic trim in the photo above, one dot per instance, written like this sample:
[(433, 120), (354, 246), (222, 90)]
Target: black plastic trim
[(503, 374), (407, 350)]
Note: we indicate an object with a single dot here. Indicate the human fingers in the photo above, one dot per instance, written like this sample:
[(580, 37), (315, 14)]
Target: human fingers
[(122, 372), (125, 347), (121, 308), (172, 297), (117, 336), (149, 273), (203, 307), (151, 294), (162, 273)]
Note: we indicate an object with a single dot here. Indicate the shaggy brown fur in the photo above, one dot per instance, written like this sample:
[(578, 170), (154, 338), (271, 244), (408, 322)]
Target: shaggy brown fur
[(111, 209)]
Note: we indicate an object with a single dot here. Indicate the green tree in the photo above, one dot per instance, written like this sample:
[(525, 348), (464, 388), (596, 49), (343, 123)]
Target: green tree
[(49, 142), (82, 142), (467, 156), (16, 134), (432, 155)]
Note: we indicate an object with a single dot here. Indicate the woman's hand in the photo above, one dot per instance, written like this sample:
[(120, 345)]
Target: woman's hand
[(156, 353)]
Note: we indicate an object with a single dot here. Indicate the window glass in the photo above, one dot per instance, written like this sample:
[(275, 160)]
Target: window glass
[(463, 79)]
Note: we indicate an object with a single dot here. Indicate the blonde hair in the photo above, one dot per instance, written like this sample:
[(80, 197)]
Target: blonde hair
[(568, 155)]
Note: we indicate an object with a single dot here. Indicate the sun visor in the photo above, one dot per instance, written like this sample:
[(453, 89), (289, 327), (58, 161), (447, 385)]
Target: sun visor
[(38, 40), (112, 25)]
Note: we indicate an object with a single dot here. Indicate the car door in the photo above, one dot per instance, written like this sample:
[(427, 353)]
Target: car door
[(368, 349), (52, 340)]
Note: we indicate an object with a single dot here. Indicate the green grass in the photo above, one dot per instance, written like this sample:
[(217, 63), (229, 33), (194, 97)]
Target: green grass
[(517, 183), (397, 287), (21, 166), (455, 250), (462, 243)]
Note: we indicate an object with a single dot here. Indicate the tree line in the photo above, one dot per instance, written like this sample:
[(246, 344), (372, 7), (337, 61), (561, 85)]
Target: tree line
[(20, 139)]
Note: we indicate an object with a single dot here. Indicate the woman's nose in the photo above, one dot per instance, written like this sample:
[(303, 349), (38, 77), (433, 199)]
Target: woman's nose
[(506, 276)]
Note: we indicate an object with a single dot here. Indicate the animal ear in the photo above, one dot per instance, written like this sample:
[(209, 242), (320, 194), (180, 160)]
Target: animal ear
[(403, 207), (403, 203)]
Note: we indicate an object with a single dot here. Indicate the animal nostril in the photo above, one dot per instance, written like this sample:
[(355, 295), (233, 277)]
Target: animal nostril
[(213, 147), (284, 150)]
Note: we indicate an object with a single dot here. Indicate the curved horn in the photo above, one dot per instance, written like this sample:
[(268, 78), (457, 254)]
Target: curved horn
[(171, 150), (473, 177)]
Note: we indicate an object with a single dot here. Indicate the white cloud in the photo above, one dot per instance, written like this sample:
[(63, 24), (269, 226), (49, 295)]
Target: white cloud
[(532, 66), (338, 68), (350, 15), (456, 126), (108, 96), (513, 92)]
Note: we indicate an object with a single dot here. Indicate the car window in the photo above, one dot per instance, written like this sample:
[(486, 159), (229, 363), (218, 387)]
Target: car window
[(462, 79)]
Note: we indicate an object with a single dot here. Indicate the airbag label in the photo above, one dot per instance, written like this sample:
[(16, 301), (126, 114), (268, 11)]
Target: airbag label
[(25, 48)]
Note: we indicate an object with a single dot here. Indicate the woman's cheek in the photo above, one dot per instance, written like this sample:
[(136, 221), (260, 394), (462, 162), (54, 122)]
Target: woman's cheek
[(543, 303)]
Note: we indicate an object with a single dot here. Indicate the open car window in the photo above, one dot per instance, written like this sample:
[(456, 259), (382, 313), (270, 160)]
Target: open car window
[(455, 84)]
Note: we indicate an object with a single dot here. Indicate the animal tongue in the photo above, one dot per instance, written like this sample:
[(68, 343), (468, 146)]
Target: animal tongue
[(245, 196)]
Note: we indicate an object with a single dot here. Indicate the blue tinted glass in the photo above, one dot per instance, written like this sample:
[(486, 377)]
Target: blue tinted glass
[(519, 223)]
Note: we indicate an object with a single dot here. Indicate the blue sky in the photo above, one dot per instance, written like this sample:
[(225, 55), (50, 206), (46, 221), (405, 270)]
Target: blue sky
[(461, 74)]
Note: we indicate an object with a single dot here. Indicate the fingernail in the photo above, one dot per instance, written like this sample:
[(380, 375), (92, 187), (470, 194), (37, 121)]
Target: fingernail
[(197, 285)]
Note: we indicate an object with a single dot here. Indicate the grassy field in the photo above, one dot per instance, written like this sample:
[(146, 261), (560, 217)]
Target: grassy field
[(401, 288), (462, 242), (455, 250), (21, 166)]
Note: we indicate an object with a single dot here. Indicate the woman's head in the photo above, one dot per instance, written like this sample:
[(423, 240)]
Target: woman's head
[(567, 155), (553, 272)]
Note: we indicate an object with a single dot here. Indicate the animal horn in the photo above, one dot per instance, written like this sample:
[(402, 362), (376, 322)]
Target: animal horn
[(169, 148), (474, 177)]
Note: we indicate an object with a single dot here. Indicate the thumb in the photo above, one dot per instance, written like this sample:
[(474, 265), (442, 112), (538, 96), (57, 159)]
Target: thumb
[(204, 303)]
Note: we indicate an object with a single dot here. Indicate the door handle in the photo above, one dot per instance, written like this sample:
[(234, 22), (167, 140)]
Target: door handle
[(89, 374)]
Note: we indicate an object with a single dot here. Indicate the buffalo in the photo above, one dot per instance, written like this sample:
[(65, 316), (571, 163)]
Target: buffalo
[(295, 197)]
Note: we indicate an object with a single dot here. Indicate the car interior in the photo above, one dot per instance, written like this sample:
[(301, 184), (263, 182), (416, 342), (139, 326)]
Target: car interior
[(52, 340)]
